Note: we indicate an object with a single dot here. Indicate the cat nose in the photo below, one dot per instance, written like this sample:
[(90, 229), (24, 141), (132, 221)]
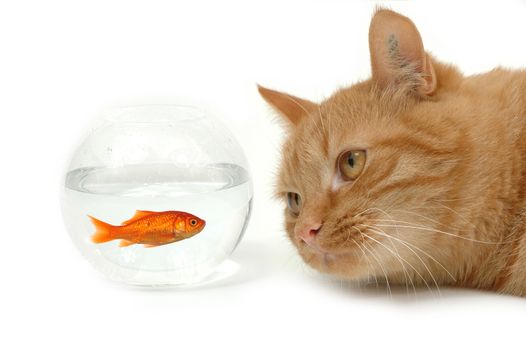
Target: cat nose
[(308, 232)]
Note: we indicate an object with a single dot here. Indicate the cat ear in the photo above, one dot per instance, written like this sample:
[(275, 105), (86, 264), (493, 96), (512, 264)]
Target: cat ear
[(397, 53), (291, 107)]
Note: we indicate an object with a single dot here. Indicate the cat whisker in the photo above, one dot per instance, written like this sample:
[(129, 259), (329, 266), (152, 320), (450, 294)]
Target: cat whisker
[(426, 217), (387, 284), (383, 233), (324, 131), (411, 265), (439, 231), (454, 199), (377, 260), (365, 211), (458, 214), (368, 262), (406, 273), (407, 244)]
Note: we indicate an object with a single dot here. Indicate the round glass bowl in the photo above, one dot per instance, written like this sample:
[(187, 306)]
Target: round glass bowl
[(157, 195)]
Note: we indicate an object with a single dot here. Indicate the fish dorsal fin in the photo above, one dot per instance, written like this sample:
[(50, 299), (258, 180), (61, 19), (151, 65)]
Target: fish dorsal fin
[(139, 214)]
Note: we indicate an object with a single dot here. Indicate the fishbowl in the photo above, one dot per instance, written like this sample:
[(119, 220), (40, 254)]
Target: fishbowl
[(157, 195)]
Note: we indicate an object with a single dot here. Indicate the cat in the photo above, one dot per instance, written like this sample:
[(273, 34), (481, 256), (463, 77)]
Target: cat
[(414, 177)]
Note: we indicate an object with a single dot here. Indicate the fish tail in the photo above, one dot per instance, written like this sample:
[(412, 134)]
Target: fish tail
[(103, 231)]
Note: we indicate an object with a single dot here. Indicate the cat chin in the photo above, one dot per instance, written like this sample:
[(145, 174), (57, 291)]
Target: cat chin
[(348, 265)]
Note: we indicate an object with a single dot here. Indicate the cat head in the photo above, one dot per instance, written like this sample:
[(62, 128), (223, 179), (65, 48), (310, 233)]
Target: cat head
[(362, 171)]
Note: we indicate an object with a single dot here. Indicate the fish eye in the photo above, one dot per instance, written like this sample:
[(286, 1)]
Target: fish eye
[(294, 203), (350, 164), (193, 222)]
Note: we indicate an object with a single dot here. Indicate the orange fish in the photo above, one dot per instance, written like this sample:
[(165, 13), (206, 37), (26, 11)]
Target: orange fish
[(149, 228)]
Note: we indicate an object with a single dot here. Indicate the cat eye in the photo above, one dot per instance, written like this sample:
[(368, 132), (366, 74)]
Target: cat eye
[(351, 164), (294, 202)]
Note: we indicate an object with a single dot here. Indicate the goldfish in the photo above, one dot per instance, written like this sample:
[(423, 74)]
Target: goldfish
[(149, 228)]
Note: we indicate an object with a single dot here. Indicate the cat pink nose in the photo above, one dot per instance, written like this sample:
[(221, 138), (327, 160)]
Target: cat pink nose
[(308, 233)]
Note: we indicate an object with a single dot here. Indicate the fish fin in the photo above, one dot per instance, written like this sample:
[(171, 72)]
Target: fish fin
[(125, 243), (150, 245), (103, 231), (138, 215)]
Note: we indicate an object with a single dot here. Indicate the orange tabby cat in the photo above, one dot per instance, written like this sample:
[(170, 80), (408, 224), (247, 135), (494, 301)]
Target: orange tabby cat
[(416, 176)]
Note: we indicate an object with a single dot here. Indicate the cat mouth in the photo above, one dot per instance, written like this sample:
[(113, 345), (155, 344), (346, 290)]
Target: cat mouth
[(325, 256), (346, 263)]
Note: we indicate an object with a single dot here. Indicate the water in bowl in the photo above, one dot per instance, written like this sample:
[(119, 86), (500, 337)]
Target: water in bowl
[(220, 194)]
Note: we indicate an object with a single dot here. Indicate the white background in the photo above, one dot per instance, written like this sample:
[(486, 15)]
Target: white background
[(62, 61)]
